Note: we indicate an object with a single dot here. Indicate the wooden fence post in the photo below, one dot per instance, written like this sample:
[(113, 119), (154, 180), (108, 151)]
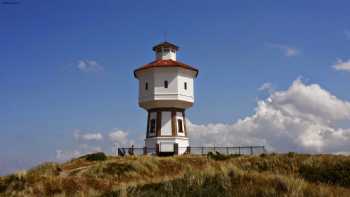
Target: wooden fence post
[(157, 149), (145, 150), (176, 148), (188, 151)]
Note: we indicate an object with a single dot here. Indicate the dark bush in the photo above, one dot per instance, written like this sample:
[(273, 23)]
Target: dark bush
[(291, 154), (263, 155), (335, 172), (217, 156), (100, 156), (12, 182), (235, 155), (3, 184)]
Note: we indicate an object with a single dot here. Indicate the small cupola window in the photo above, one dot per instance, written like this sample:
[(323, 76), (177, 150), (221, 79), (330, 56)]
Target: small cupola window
[(165, 84), (146, 86), (185, 85)]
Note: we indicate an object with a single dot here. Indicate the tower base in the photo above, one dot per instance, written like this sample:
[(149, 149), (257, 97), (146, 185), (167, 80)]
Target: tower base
[(167, 145), (166, 131)]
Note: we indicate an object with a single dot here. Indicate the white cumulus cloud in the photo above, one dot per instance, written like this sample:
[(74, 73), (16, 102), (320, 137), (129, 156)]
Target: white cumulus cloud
[(82, 149), (347, 34), (287, 50), (87, 136), (89, 66), (120, 137), (92, 136), (342, 65), (268, 87), (303, 118)]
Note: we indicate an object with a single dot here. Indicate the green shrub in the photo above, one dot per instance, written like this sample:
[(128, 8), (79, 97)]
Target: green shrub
[(12, 182), (100, 156), (291, 154), (217, 156), (263, 155), (331, 171), (3, 184)]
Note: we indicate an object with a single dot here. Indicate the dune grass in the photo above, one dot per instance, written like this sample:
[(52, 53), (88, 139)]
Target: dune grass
[(212, 175)]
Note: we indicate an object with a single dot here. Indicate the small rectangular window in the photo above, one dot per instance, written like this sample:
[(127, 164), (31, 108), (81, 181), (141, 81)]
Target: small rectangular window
[(146, 86), (185, 86), (180, 127), (152, 128), (165, 84)]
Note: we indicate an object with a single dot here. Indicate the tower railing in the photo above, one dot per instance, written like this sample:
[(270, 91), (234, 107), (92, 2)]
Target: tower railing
[(195, 150)]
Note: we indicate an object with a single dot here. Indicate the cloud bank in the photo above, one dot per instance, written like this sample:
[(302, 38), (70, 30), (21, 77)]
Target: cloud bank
[(303, 118)]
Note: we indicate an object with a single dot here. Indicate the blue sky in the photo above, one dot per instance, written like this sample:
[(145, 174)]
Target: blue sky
[(236, 45)]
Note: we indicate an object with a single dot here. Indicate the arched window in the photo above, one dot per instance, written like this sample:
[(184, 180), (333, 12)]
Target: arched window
[(165, 84), (146, 86), (185, 85)]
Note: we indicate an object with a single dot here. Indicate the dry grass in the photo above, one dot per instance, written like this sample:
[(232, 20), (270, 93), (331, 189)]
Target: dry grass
[(214, 175)]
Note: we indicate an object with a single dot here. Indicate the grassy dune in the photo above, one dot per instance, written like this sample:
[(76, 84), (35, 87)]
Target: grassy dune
[(213, 175)]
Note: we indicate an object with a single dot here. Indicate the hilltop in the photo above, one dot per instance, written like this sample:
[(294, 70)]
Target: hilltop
[(212, 175)]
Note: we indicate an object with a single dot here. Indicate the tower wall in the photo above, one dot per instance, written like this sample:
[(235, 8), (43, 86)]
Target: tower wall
[(179, 92)]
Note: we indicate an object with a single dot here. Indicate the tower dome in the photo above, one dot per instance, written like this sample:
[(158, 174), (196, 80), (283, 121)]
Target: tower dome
[(165, 51)]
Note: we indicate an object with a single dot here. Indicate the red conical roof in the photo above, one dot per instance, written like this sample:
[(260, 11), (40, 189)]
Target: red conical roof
[(165, 63)]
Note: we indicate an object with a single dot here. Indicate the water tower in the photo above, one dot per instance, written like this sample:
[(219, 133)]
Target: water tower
[(165, 92)]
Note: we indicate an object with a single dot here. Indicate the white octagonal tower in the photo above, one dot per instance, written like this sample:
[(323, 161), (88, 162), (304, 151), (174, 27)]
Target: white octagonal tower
[(166, 91)]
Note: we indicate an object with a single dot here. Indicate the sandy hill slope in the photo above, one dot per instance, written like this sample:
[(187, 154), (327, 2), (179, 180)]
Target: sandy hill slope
[(212, 175)]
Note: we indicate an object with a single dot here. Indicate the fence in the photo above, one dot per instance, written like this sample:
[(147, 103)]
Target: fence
[(200, 150), (239, 150)]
